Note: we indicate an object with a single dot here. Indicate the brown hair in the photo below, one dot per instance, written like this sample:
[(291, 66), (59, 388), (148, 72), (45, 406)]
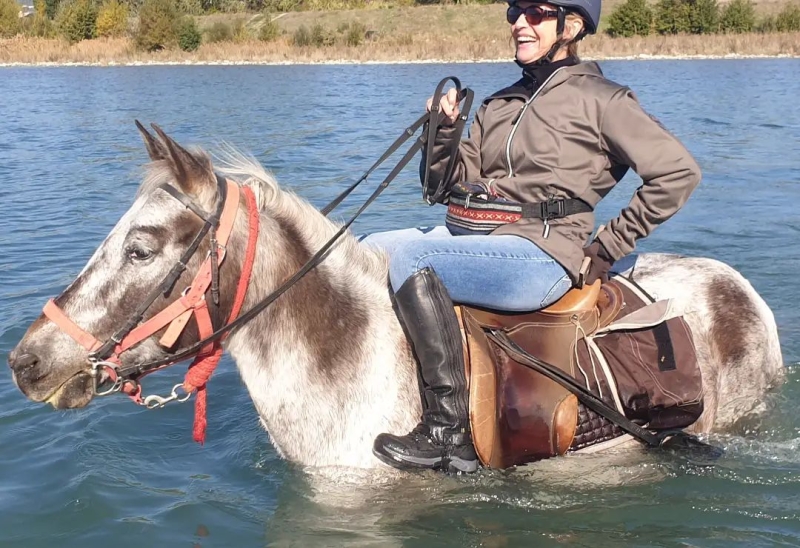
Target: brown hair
[(572, 47)]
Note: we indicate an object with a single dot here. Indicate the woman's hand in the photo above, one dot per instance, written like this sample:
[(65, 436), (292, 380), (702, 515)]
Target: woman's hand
[(448, 105), (600, 265)]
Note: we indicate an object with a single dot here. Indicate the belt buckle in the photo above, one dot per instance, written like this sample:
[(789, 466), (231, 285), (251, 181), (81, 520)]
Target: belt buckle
[(553, 209)]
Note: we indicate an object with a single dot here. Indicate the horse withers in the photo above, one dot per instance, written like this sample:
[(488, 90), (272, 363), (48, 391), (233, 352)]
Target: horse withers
[(327, 364)]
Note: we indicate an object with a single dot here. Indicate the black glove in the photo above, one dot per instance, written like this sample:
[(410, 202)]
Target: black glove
[(600, 265)]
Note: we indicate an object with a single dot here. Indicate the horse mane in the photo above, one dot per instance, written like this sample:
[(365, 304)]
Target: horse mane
[(278, 202)]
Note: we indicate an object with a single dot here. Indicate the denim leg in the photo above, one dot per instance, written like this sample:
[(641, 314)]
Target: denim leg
[(391, 239), (500, 272)]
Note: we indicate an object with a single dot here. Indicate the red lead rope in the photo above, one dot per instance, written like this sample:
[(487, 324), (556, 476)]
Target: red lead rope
[(203, 366)]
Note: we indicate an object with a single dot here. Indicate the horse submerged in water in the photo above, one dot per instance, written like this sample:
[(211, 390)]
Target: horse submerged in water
[(327, 364)]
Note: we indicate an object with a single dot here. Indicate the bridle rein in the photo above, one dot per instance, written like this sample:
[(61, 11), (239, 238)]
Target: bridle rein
[(104, 357)]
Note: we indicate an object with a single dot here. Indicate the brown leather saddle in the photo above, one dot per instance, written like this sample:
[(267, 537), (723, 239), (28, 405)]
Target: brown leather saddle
[(516, 414)]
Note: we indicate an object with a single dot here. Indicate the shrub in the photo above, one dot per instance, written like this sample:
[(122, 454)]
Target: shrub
[(219, 32), (189, 37), (39, 25), (631, 18), (158, 25), (77, 20), (703, 16), (51, 8), (9, 18), (738, 16), (320, 36), (788, 19), (189, 7), (269, 30), (672, 17), (112, 19), (301, 37), (355, 35), (767, 24), (240, 31)]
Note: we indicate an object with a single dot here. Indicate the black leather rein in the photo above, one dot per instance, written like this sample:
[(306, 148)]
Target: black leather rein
[(433, 119)]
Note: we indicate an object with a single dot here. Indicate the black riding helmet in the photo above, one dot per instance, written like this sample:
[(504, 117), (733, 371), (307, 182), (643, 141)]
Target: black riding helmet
[(588, 9)]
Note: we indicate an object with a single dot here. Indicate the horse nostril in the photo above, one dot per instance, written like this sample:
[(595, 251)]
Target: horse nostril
[(23, 362)]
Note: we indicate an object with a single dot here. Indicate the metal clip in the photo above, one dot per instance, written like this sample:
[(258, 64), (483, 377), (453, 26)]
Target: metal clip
[(546, 231), (154, 401)]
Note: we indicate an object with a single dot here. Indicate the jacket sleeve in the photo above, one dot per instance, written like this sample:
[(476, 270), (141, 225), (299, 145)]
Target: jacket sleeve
[(669, 172), (468, 157)]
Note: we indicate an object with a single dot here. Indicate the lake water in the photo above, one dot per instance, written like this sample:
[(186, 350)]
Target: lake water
[(117, 475)]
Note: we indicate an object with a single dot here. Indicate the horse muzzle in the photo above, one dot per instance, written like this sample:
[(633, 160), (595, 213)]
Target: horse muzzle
[(45, 382)]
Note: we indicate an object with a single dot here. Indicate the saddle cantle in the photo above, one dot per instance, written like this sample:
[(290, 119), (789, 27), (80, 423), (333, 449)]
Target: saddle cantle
[(517, 415)]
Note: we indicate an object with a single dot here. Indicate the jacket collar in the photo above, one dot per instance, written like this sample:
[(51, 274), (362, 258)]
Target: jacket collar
[(518, 90)]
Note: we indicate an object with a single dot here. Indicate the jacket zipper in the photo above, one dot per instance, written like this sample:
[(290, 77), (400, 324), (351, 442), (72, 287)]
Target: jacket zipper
[(519, 119)]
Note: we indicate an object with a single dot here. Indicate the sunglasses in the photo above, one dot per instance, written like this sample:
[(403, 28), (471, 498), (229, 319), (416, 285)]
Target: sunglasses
[(533, 14)]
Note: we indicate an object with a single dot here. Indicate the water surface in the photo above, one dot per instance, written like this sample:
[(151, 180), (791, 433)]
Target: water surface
[(116, 475)]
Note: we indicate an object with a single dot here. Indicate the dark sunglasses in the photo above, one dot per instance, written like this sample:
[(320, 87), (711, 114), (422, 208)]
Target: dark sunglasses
[(533, 14)]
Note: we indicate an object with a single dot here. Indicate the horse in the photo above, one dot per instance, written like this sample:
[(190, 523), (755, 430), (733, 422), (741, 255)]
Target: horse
[(327, 364)]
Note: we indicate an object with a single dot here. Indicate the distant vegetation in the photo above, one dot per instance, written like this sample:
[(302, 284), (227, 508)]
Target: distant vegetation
[(175, 25), (638, 18)]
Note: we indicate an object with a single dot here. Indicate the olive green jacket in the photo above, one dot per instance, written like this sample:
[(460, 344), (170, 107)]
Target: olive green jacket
[(575, 138)]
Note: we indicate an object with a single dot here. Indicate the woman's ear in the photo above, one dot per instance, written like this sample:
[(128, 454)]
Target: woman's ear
[(573, 27)]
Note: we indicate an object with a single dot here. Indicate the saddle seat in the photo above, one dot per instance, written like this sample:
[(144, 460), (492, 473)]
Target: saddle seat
[(516, 414)]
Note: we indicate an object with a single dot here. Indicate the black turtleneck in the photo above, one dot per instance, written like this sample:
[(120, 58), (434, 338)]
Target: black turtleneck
[(536, 73)]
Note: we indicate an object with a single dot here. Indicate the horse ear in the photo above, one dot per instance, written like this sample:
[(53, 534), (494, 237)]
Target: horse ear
[(155, 149), (193, 173)]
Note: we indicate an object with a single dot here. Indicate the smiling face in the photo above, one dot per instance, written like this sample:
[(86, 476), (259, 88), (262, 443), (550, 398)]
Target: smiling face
[(536, 31)]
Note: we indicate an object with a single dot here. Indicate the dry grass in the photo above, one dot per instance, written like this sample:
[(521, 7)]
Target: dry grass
[(470, 32)]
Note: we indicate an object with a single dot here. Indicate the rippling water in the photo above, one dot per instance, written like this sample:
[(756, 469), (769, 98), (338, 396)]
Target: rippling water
[(116, 475)]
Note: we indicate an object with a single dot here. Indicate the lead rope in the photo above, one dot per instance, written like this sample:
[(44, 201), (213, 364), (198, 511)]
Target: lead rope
[(203, 366)]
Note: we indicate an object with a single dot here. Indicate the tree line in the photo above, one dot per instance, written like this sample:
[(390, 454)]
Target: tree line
[(638, 18)]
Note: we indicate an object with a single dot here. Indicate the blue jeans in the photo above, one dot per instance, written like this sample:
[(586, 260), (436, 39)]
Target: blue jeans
[(502, 272)]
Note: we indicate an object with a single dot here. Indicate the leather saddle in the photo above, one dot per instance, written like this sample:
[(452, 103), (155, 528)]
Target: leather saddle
[(516, 414)]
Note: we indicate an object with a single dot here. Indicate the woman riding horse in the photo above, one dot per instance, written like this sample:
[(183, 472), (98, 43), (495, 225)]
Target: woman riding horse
[(558, 140)]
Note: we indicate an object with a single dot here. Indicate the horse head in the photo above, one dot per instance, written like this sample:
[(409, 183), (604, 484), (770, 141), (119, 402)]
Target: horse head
[(126, 282)]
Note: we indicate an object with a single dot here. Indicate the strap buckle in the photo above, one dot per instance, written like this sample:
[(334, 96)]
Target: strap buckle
[(553, 209)]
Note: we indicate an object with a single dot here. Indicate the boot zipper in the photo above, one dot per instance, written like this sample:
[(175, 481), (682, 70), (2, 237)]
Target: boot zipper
[(452, 349)]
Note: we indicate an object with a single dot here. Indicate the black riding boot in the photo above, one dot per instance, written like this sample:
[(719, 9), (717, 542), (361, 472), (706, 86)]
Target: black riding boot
[(442, 440)]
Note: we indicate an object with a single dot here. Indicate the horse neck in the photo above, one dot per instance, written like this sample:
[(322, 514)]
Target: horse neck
[(327, 364)]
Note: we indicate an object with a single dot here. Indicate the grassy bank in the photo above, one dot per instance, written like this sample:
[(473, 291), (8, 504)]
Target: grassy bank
[(449, 33)]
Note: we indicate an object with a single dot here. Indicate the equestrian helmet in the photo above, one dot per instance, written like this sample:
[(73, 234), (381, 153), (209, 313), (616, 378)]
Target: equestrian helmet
[(588, 9)]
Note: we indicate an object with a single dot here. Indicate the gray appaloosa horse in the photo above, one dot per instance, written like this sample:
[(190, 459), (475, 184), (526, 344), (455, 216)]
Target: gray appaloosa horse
[(328, 365)]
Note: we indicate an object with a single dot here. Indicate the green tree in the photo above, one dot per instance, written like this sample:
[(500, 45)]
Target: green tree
[(269, 30), (77, 20), (631, 18), (788, 19), (51, 8), (703, 16), (673, 17), (158, 25), (738, 16), (189, 37), (9, 18), (39, 25), (112, 18)]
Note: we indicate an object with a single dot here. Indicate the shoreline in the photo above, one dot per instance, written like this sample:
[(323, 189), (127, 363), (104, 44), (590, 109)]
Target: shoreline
[(432, 61)]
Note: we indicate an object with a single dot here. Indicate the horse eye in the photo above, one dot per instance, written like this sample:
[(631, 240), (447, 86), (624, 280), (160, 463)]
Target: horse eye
[(135, 253)]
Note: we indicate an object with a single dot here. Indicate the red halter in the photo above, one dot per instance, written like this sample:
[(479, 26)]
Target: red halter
[(176, 316)]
